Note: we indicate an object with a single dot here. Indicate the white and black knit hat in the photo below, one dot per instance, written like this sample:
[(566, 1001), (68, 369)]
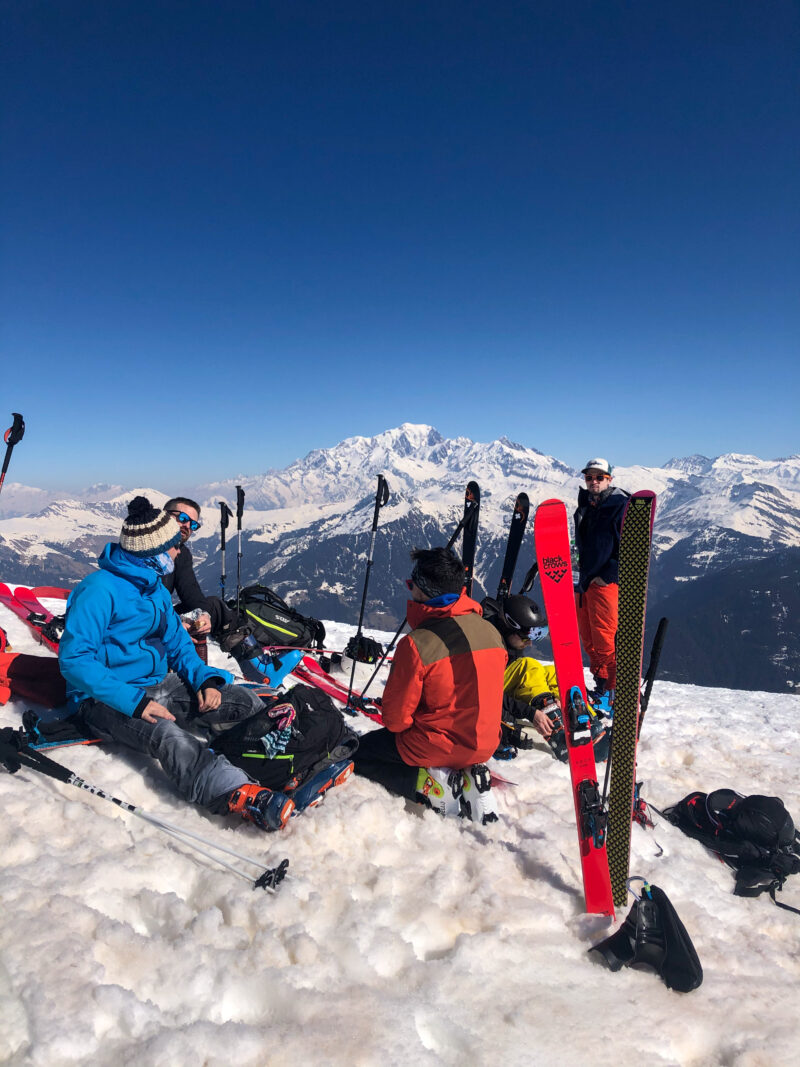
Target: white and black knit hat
[(148, 530)]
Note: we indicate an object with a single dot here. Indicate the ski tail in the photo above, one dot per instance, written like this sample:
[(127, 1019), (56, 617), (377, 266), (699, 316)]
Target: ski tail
[(36, 618), (519, 521), (472, 508)]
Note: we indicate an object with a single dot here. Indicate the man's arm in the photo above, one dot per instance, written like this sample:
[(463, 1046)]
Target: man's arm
[(186, 586), (79, 657), (183, 659), (403, 690)]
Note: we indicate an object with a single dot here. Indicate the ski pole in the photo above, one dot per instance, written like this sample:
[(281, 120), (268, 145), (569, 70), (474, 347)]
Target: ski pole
[(396, 637), (644, 700), (14, 753), (12, 436), (381, 497), (225, 515), (239, 513), (652, 667)]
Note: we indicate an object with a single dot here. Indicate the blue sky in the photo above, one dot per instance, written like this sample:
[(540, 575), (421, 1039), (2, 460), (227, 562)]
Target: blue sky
[(234, 232)]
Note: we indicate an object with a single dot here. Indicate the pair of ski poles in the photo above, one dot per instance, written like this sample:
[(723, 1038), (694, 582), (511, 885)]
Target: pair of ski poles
[(469, 516), (224, 518), (16, 753)]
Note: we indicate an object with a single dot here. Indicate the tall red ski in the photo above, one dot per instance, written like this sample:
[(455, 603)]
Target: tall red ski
[(551, 534)]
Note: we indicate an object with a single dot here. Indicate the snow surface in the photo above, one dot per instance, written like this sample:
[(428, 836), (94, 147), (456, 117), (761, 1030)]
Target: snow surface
[(397, 937)]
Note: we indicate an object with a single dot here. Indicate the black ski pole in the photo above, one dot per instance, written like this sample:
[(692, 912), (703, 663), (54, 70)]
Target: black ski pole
[(381, 498), (225, 516), (15, 753), (239, 513), (12, 436), (644, 700), (652, 667), (400, 628)]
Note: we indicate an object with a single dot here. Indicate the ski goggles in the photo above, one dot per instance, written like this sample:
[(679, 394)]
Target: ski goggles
[(538, 633), (183, 518)]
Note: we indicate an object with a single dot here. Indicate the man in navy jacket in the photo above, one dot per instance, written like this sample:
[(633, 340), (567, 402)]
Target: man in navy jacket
[(598, 524)]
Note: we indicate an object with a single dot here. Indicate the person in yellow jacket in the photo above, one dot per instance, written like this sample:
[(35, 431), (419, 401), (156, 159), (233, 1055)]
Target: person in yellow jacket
[(530, 688), (531, 700)]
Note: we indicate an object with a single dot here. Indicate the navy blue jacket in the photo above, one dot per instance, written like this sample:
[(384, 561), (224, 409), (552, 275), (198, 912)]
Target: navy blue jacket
[(597, 531)]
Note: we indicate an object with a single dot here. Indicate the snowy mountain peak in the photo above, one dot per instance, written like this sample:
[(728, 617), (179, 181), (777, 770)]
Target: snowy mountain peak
[(696, 464)]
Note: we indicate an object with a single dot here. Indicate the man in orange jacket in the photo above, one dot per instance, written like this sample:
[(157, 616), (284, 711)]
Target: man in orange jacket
[(443, 700)]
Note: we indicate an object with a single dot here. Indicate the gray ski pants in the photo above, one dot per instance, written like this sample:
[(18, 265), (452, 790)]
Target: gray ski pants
[(199, 774)]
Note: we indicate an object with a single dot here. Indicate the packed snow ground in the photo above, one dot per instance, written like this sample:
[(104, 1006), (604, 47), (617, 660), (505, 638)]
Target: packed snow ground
[(397, 937)]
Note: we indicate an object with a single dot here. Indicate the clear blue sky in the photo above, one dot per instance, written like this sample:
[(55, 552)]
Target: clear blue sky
[(233, 232)]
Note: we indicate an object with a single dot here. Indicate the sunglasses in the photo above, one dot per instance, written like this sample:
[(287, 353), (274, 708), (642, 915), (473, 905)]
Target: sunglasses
[(596, 477), (183, 518)]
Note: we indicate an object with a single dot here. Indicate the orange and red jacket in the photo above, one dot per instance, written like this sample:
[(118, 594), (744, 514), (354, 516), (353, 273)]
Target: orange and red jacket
[(444, 696)]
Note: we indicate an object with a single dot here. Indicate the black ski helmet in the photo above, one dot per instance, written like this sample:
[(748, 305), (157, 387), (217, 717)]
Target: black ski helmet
[(524, 617)]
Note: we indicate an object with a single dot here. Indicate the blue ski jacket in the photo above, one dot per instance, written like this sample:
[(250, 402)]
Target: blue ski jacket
[(597, 532), (121, 634)]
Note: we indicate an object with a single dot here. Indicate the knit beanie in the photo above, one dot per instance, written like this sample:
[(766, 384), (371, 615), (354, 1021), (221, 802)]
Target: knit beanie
[(148, 530)]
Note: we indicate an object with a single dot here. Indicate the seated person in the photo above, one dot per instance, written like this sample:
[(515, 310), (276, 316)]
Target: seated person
[(182, 581), (531, 701), (443, 699), (133, 674)]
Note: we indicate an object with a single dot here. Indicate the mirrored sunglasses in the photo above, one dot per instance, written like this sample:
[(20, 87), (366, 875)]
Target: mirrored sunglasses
[(182, 517)]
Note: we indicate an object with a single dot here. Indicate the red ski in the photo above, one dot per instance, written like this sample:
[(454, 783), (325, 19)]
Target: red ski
[(551, 534), (30, 616), (310, 672), (40, 618)]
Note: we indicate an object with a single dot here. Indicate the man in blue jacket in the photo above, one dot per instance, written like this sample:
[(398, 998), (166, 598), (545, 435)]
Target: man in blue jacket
[(133, 671)]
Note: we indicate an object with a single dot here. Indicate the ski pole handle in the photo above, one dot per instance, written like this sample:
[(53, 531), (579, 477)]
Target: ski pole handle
[(225, 516), (12, 436), (381, 498)]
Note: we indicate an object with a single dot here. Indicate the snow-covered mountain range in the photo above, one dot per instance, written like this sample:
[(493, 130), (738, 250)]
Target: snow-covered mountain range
[(727, 537)]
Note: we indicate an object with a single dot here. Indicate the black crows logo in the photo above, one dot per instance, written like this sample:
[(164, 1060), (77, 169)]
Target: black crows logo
[(555, 567)]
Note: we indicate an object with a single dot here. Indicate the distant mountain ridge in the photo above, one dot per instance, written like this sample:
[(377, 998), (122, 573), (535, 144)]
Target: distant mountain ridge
[(306, 527)]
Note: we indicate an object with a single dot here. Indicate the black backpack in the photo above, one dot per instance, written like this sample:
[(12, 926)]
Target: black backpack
[(754, 835), (319, 735), (272, 622)]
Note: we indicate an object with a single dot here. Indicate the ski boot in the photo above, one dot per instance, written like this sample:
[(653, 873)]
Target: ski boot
[(477, 802), (440, 788), (312, 790), (601, 739), (257, 804), (557, 739)]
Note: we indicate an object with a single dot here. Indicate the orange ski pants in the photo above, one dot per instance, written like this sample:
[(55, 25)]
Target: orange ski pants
[(597, 623)]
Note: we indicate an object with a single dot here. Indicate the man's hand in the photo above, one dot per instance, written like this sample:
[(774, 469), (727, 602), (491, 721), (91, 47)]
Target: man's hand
[(209, 699), (542, 724), (598, 581), (154, 711), (201, 625)]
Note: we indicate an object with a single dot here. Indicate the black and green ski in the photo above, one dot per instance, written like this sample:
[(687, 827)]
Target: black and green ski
[(634, 566)]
